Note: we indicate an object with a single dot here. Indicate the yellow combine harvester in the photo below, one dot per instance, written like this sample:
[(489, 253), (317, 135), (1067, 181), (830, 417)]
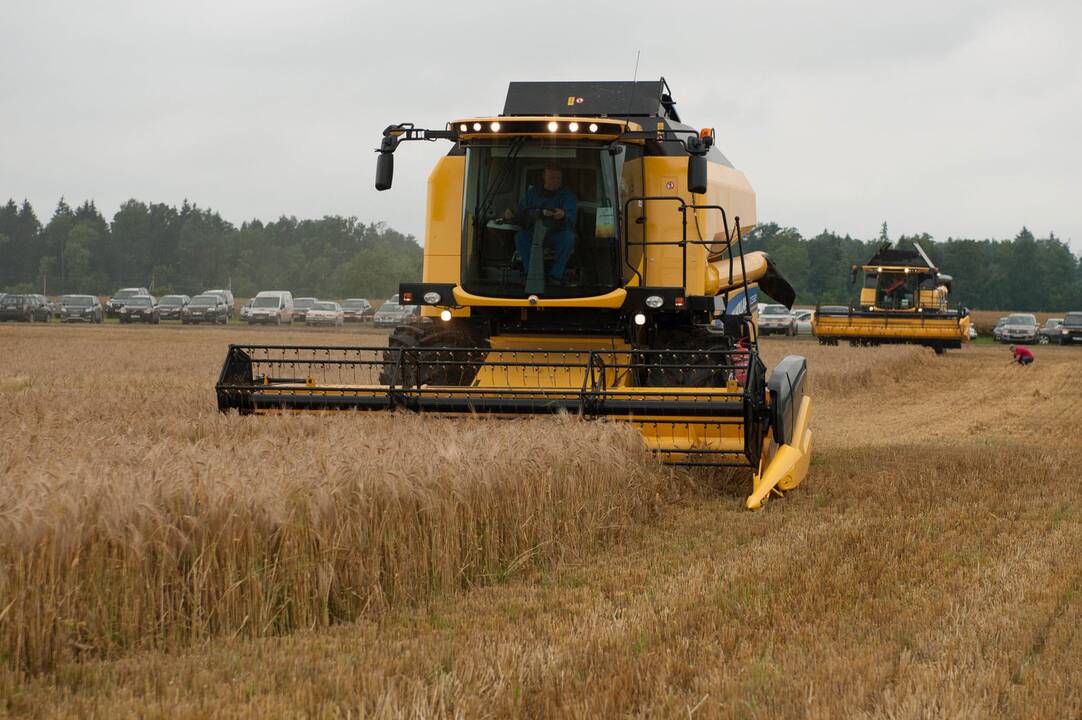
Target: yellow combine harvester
[(903, 300), (582, 254)]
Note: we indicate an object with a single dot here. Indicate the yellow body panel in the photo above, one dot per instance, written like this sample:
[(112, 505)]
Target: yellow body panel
[(443, 226), (727, 187)]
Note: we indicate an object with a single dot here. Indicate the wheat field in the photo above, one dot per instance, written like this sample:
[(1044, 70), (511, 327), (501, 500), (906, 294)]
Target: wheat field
[(158, 559)]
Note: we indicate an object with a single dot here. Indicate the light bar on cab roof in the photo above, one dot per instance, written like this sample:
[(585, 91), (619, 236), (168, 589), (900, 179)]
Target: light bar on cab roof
[(593, 128)]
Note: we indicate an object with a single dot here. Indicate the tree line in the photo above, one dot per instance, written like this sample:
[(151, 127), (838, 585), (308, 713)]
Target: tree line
[(1024, 273), (190, 249)]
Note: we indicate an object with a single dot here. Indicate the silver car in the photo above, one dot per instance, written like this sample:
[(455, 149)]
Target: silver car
[(1019, 328), (776, 319), (804, 321)]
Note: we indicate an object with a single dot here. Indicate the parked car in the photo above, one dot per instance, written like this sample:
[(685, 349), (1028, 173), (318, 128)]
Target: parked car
[(412, 315), (997, 331), (1070, 331), (271, 306), (140, 308), (81, 308), (325, 313), (205, 308), (390, 313), (226, 295), (301, 305), (1020, 328), (246, 309), (24, 308), (776, 319), (171, 306), (113, 304), (357, 310), (1049, 332), (804, 321), (52, 307)]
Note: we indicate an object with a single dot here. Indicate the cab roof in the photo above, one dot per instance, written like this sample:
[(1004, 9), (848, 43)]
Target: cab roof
[(621, 98)]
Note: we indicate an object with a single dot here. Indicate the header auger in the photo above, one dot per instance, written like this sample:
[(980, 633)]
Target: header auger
[(583, 254)]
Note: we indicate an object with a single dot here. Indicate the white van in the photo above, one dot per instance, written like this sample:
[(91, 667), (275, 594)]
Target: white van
[(272, 307)]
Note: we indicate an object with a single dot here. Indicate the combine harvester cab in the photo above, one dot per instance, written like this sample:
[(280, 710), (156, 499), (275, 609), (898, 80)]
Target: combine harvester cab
[(903, 299), (583, 254)]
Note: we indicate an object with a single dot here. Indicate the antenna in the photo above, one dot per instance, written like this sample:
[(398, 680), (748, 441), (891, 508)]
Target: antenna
[(634, 80)]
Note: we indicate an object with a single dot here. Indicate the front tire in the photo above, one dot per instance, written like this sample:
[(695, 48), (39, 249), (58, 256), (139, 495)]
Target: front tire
[(412, 336)]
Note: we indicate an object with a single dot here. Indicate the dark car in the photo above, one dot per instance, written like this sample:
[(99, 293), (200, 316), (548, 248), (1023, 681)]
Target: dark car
[(81, 308), (113, 304), (357, 310), (24, 308), (1070, 332), (140, 308), (226, 295), (1049, 332), (206, 308), (170, 307), (301, 307)]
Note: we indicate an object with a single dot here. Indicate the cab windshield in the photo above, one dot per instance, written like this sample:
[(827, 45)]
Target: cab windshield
[(561, 198), (897, 290)]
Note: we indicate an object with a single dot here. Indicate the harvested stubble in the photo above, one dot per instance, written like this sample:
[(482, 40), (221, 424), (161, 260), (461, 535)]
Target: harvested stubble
[(154, 524)]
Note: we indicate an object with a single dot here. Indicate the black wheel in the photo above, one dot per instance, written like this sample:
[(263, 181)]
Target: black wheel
[(461, 372), (682, 339), (939, 349)]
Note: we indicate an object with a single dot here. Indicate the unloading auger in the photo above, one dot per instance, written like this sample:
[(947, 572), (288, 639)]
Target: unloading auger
[(583, 254)]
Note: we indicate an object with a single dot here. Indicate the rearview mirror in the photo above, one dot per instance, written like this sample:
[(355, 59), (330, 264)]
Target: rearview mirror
[(384, 171), (696, 174)]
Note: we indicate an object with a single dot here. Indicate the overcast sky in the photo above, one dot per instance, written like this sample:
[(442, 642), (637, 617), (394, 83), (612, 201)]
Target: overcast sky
[(955, 118)]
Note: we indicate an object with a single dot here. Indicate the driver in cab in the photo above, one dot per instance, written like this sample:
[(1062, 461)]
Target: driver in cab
[(553, 205)]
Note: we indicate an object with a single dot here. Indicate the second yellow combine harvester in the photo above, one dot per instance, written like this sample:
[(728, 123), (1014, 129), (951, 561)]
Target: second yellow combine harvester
[(582, 254), (903, 299)]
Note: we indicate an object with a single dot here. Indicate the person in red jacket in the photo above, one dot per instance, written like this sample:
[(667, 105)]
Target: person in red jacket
[(1022, 355)]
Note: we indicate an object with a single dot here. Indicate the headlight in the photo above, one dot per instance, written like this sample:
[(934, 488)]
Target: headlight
[(432, 298), (654, 302)]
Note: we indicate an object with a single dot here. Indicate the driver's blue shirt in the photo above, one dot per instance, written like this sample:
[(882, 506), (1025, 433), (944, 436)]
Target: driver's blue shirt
[(541, 199)]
